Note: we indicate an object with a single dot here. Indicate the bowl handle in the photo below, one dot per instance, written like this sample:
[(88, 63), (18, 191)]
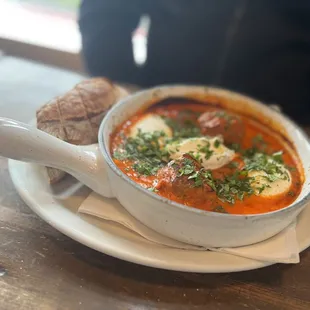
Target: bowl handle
[(25, 143)]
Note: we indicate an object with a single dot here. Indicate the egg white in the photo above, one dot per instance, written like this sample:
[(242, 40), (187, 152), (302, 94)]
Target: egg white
[(277, 187), (150, 123), (221, 155)]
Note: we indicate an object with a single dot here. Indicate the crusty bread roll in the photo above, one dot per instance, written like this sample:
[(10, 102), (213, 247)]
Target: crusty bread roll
[(75, 117)]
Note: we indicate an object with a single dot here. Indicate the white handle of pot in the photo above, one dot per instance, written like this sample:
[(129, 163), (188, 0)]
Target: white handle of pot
[(25, 143)]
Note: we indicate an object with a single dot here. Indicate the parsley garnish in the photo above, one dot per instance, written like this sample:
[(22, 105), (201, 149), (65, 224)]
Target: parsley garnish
[(234, 186), (219, 209), (227, 116), (233, 165), (290, 168), (147, 154), (183, 128), (217, 143), (270, 164), (153, 189), (278, 157), (145, 151), (205, 149), (196, 156), (249, 152), (190, 170), (235, 146), (259, 143), (258, 139), (188, 167), (262, 188)]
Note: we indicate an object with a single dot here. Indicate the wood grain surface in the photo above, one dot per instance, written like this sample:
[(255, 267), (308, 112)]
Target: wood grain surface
[(47, 270)]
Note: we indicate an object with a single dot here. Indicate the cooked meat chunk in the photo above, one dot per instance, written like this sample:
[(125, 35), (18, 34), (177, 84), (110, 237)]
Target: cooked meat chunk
[(220, 122), (179, 178)]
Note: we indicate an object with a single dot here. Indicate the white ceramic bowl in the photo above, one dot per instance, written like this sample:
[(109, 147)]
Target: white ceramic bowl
[(94, 167)]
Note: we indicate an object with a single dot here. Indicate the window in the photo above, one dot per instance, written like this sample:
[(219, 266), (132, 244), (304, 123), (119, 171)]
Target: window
[(47, 23)]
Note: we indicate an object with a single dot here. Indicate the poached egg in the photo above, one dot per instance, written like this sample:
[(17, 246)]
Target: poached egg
[(210, 151)]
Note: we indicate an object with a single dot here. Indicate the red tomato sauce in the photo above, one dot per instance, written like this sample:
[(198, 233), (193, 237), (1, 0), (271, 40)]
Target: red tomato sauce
[(253, 204)]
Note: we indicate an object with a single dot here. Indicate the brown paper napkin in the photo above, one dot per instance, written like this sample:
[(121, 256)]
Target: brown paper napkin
[(282, 248)]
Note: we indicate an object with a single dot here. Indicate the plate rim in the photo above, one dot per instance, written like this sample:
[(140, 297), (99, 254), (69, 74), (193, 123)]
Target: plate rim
[(83, 238)]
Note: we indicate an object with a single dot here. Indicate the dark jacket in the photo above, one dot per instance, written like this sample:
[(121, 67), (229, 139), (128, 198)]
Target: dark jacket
[(258, 47)]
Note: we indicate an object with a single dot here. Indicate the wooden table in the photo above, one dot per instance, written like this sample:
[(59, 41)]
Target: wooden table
[(47, 270)]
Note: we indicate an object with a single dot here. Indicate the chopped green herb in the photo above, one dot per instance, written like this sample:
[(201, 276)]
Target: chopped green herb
[(183, 128), (291, 193), (120, 155), (234, 186), (272, 177), (152, 189), (258, 140), (262, 188), (290, 168), (189, 169), (197, 177), (249, 152), (278, 157), (148, 156), (145, 151), (145, 168), (235, 146), (194, 175), (219, 209), (233, 165), (227, 116), (271, 165), (209, 179), (205, 149), (195, 155), (199, 181), (188, 114), (217, 143)]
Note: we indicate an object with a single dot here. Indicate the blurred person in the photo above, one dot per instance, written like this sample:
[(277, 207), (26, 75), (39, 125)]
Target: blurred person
[(257, 47)]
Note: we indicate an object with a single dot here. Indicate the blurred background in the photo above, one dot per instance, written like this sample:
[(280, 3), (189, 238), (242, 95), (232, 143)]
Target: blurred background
[(257, 47), (39, 29), (39, 53)]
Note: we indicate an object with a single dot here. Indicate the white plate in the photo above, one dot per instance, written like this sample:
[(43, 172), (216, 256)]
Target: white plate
[(58, 207)]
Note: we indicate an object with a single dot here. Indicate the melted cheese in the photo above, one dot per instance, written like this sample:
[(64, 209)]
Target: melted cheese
[(220, 154), (150, 123), (278, 187)]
